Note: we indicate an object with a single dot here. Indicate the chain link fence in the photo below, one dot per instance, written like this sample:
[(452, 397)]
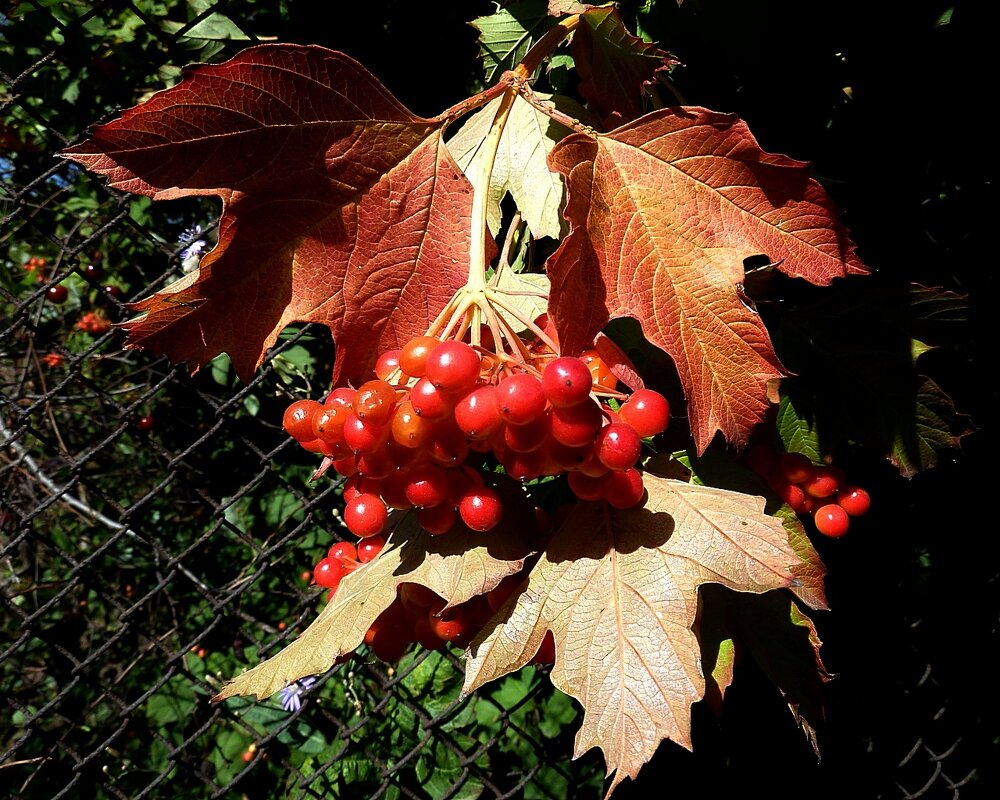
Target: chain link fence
[(156, 528)]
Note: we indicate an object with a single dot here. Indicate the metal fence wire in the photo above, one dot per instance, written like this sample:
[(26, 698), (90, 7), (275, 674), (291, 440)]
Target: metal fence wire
[(155, 526)]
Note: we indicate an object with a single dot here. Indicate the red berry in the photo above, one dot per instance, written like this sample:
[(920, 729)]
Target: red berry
[(478, 413), (566, 382), (546, 651), (57, 294), (521, 398), (362, 437), (297, 420), (430, 402), (437, 519), (365, 515), (625, 489), (831, 520), (648, 412), (577, 425), (427, 485), (854, 500), (145, 423), (453, 367), (375, 402), (369, 548), (92, 272), (343, 551), (481, 509), (113, 291), (822, 482), (586, 487), (413, 356), (618, 446), (328, 573), (386, 364), (795, 467)]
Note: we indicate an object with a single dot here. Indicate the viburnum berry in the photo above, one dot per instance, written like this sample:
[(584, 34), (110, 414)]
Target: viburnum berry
[(822, 482), (854, 500), (413, 355), (600, 372), (521, 398), (477, 414), (437, 519), (365, 515), (576, 425), (566, 382), (297, 420), (343, 551), (831, 520), (57, 294), (795, 467), (481, 509), (386, 364), (647, 411), (618, 446), (453, 367), (328, 573), (625, 489), (368, 549)]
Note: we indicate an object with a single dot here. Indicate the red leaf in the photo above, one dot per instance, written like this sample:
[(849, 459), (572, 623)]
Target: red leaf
[(663, 212), (615, 66), (339, 206)]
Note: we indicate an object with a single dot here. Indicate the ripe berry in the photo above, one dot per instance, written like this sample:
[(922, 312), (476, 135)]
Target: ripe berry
[(437, 519), (521, 398), (831, 520), (481, 509), (478, 413), (618, 446), (795, 467), (453, 367), (343, 551), (386, 364), (297, 420), (625, 489), (648, 412), (113, 291), (413, 356), (328, 573), (854, 500), (369, 548), (365, 515), (92, 272), (822, 482), (145, 423), (566, 382), (577, 425), (601, 373), (57, 294)]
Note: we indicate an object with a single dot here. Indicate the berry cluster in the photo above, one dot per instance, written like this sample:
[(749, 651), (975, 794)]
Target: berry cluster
[(410, 437), (819, 490)]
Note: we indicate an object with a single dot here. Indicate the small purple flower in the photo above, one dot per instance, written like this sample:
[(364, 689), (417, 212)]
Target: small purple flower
[(194, 246), (291, 695)]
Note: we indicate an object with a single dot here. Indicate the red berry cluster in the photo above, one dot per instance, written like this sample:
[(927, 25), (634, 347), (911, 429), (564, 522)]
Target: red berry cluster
[(407, 438), (819, 490)]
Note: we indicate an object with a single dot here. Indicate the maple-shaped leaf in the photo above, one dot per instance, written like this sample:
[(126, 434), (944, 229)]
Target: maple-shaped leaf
[(506, 35), (780, 637), (797, 432), (619, 592), (663, 213), (457, 566), (937, 427), (520, 166), (718, 468), (615, 66), (339, 206)]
